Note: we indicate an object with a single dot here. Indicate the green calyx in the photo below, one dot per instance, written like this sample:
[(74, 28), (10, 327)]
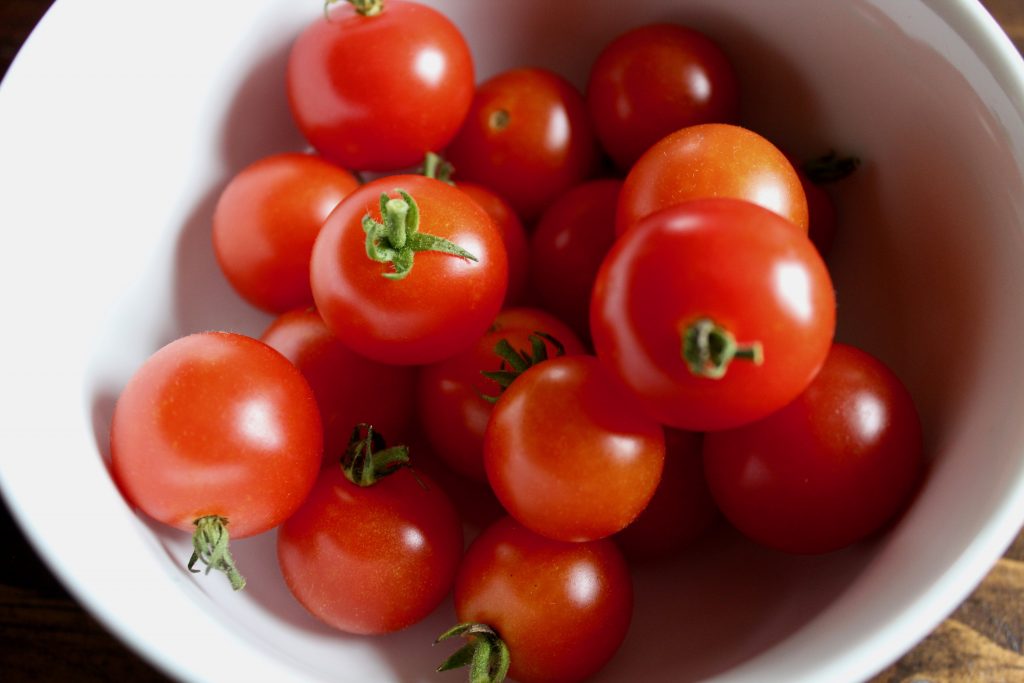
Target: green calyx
[(485, 654), (708, 349), (396, 238), (367, 457), (366, 8), (829, 168), (515, 363), (210, 546)]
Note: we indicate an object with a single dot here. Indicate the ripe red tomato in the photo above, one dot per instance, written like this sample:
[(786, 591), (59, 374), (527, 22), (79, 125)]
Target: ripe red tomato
[(391, 311), (266, 221), (711, 160), (528, 137), (681, 510), (349, 388), (216, 426), (654, 80), (562, 609), (714, 313), (827, 470), (374, 558), (568, 454), (450, 394), (512, 233), (567, 246), (377, 91)]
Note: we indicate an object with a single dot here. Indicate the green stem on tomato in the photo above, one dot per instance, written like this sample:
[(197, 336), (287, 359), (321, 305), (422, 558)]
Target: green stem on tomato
[(437, 167), (396, 238), (366, 8), (515, 363), (367, 458), (486, 654), (210, 546), (829, 168), (708, 349)]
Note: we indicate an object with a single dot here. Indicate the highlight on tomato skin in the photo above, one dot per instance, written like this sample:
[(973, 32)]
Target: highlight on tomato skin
[(828, 470)]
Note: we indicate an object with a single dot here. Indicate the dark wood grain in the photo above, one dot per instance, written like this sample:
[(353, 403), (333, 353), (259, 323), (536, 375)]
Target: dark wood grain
[(45, 636)]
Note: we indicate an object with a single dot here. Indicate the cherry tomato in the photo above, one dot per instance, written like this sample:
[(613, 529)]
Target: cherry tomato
[(513, 234), (711, 160), (567, 246), (377, 90), (451, 394), (266, 221), (654, 80), (681, 510), (562, 609), (372, 558), (216, 426), (349, 388), (830, 468), (391, 311), (821, 210), (714, 313), (568, 454), (528, 137)]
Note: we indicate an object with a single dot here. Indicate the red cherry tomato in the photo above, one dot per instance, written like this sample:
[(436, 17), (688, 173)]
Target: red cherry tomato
[(830, 468), (371, 559), (562, 609), (266, 221), (438, 307), (349, 388), (714, 313), (216, 426), (378, 92), (451, 394), (680, 511), (568, 454), (512, 233), (528, 137), (654, 80), (711, 160), (567, 247)]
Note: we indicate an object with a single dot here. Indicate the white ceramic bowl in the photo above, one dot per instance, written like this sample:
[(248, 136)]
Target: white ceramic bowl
[(120, 121)]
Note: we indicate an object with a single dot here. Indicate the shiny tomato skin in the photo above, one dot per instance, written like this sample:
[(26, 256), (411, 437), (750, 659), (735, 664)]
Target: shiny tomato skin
[(681, 510), (827, 470), (528, 137), (570, 455), (654, 80), (711, 160), (734, 262), (513, 233), (266, 220), (563, 609), (444, 304), (350, 389), (216, 423), (567, 246), (376, 93), (371, 559), (450, 393)]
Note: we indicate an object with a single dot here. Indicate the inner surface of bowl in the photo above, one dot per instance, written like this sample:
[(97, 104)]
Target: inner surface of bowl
[(926, 269)]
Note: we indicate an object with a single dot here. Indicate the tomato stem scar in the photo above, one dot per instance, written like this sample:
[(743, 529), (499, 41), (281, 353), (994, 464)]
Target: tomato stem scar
[(708, 349), (210, 546), (396, 238)]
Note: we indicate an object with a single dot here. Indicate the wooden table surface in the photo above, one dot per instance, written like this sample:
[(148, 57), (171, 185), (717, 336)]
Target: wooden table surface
[(45, 636)]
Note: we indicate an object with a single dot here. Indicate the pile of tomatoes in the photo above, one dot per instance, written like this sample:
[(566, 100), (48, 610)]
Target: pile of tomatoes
[(597, 322)]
